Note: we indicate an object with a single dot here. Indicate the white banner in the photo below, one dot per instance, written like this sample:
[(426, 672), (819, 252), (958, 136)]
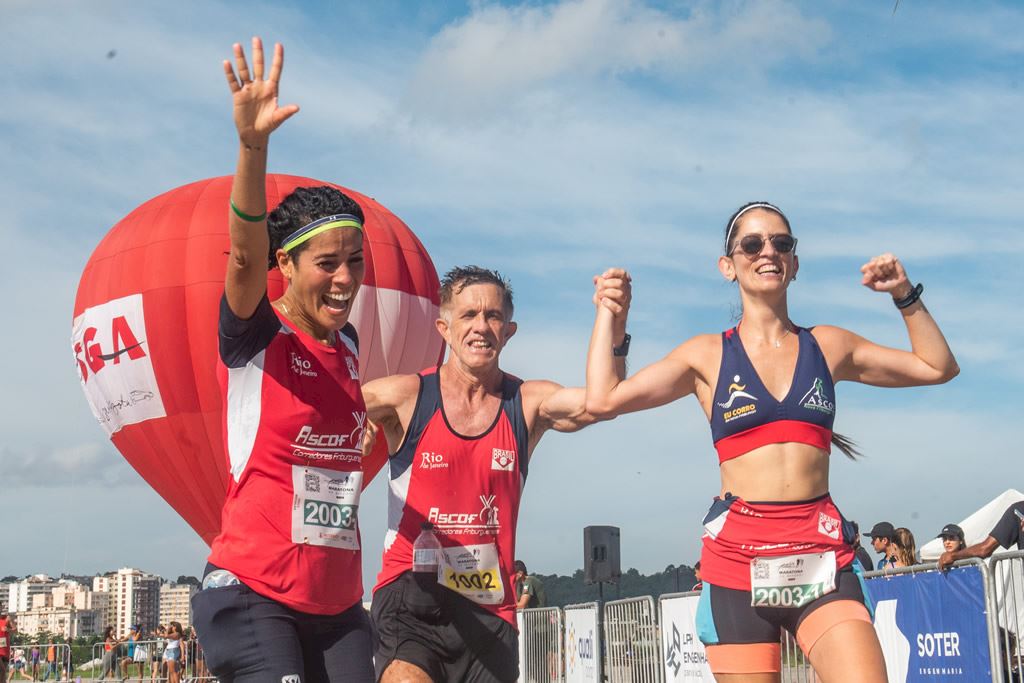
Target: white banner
[(582, 646), (684, 658), (110, 346)]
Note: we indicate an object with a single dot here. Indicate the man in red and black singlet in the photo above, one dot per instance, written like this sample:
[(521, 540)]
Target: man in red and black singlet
[(460, 438)]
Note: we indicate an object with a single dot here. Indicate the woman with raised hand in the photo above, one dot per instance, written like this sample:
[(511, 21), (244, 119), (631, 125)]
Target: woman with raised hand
[(767, 389), (282, 593)]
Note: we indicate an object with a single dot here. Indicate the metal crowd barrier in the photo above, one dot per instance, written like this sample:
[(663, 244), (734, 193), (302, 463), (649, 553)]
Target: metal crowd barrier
[(682, 653), (147, 656), (41, 667), (989, 601), (1008, 584), (795, 667), (633, 641), (542, 645)]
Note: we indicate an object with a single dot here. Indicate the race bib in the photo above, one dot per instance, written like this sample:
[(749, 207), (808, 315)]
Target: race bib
[(791, 580), (3, 641), (324, 507), (472, 571)]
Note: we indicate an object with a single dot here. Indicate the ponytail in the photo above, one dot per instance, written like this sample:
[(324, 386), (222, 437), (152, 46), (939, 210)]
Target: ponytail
[(847, 445)]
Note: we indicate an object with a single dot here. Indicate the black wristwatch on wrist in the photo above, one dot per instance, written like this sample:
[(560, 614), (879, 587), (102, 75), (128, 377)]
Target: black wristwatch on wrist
[(911, 298), (623, 348)]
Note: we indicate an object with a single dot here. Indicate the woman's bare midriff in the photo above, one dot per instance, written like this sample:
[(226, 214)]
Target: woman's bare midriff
[(777, 472)]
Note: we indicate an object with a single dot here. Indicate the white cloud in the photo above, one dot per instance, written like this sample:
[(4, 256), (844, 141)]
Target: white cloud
[(489, 60)]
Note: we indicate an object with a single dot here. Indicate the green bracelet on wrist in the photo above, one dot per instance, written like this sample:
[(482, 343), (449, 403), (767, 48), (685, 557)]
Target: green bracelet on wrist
[(244, 216)]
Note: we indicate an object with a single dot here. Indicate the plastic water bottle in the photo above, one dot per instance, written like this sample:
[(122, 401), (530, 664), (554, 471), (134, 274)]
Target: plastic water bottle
[(425, 597), (426, 551), (219, 578)]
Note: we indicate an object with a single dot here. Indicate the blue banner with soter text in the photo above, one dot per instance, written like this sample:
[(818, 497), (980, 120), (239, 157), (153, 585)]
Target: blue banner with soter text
[(932, 625)]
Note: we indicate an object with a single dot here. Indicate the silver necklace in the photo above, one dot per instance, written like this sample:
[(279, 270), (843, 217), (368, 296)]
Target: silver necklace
[(778, 342)]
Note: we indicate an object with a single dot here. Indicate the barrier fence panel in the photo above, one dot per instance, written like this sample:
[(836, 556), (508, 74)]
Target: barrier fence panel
[(633, 645), (937, 625), (583, 644), (682, 653), (39, 662), (541, 645), (795, 667), (1008, 596)]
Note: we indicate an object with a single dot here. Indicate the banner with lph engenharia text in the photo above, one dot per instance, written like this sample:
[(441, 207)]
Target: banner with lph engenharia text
[(932, 626), (582, 646), (683, 656)]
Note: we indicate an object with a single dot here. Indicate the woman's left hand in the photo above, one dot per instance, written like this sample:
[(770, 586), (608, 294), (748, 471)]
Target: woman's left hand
[(885, 273)]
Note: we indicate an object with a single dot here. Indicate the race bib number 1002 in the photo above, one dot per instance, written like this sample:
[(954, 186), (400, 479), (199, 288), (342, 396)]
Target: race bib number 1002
[(324, 507), (791, 580), (473, 572)]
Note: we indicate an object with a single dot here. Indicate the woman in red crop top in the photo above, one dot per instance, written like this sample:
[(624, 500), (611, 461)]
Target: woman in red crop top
[(282, 593), (766, 388)]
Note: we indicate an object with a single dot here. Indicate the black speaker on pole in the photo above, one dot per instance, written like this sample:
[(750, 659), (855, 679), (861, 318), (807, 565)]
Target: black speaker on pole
[(601, 554)]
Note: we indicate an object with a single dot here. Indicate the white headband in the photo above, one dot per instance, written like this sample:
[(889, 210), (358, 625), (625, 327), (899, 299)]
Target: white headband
[(732, 225)]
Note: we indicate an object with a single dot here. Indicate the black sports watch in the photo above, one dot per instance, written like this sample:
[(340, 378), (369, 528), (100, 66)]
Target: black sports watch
[(623, 348)]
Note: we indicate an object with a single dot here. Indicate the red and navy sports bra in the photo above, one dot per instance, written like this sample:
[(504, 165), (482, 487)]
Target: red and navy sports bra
[(745, 416)]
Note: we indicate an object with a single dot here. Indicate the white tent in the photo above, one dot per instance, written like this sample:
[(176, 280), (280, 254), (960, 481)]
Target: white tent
[(977, 525)]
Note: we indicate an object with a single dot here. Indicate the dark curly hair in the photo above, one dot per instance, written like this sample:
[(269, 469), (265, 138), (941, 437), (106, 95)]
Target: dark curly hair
[(457, 279), (303, 206)]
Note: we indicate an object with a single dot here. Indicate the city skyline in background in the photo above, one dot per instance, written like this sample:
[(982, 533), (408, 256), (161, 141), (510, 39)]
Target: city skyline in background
[(549, 140)]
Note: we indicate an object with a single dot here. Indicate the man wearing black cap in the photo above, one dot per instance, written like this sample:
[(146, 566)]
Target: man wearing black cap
[(883, 537), (952, 538), (1007, 531)]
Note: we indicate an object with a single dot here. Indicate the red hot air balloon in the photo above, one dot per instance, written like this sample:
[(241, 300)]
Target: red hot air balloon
[(145, 332)]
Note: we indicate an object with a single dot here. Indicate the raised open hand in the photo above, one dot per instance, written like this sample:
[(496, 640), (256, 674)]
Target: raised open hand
[(255, 98), (885, 274)]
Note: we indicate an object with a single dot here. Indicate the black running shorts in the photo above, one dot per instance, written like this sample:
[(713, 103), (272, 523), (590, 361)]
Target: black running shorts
[(461, 642)]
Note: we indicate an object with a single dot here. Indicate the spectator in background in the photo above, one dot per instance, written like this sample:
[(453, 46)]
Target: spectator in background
[(861, 552), (34, 654), (109, 662), (51, 663), (952, 538), (882, 536), (173, 652), (906, 548), (529, 589), (160, 640), (699, 585), (1008, 530)]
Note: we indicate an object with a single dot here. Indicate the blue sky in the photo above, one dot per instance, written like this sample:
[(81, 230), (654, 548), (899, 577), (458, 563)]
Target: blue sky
[(548, 140)]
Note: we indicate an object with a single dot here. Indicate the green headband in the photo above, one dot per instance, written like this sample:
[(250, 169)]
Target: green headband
[(308, 232)]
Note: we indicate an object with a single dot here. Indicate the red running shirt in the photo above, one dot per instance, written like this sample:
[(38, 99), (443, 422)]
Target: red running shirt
[(293, 427), (469, 487)]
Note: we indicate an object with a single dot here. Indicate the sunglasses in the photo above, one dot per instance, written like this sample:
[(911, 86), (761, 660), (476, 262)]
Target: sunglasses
[(752, 245)]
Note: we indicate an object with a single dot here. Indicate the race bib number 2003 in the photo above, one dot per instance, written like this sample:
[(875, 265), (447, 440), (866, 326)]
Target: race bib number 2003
[(324, 507)]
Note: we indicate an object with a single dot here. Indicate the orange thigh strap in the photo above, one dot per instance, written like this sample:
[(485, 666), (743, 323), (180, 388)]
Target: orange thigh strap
[(825, 617), (752, 658)]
